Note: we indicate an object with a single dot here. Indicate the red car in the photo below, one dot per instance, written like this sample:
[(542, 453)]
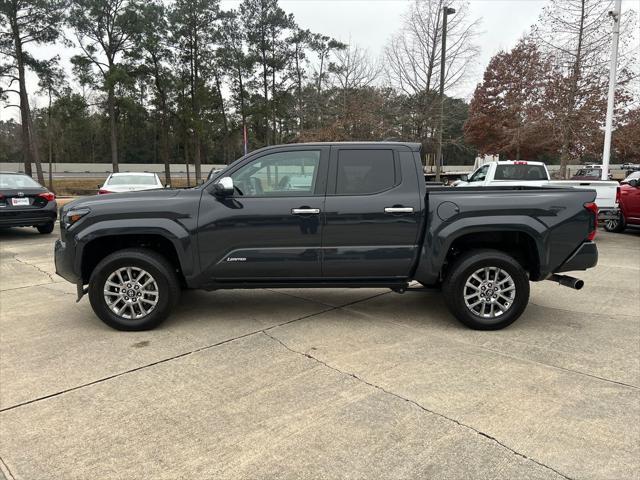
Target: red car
[(629, 200)]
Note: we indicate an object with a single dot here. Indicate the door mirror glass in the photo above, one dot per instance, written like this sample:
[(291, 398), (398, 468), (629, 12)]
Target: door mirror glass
[(224, 187)]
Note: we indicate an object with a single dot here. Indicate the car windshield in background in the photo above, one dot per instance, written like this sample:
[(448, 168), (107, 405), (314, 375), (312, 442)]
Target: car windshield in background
[(520, 172), (589, 172), (632, 176), (17, 181), (133, 180)]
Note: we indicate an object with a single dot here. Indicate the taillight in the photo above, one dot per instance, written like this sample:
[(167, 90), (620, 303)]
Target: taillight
[(48, 196), (102, 191), (593, 208), (618, 195)]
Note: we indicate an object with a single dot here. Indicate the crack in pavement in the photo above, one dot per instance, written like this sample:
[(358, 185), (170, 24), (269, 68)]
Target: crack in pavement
[(180, 355), (5, 472), (24, 262), (413, 402)]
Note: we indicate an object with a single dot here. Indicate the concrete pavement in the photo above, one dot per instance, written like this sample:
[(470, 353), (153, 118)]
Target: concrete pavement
[(320, 383)]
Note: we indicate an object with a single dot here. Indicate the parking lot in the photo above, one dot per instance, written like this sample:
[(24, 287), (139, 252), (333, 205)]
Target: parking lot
[(320, 383)]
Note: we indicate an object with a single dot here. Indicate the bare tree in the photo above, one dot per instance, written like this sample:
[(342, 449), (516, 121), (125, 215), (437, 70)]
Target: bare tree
[(352, 69), (577, 35), (413, 54)]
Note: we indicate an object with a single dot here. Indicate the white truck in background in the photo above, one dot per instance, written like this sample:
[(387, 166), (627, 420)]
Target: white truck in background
[(535, 174)]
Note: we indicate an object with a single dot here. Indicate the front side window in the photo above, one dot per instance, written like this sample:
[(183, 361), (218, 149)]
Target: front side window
[(279, 174), (364, 172), (480, 174)]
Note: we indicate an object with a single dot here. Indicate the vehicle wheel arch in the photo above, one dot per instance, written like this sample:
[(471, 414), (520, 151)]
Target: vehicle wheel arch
[(519, 243), (97, 247)]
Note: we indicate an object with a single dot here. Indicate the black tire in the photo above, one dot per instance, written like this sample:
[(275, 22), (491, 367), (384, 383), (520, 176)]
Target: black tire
[(46, 228), (454, 289), (168, 288), (615, 225)]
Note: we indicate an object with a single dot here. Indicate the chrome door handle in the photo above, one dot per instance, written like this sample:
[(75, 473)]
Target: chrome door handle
[(398, 210), (305, 211)]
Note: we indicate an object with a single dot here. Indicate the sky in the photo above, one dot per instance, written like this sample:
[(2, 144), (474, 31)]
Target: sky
[(371, 23)]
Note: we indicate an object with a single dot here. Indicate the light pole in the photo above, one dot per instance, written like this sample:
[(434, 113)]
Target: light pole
[(612, 89), (446, 11)]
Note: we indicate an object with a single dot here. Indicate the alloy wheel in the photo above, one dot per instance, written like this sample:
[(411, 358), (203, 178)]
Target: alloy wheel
[(489, 292), (131, 293)]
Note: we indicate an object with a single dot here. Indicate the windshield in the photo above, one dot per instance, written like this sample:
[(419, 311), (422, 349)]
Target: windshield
[(133, 180), (632, 176), (589, 172), (17, 181), (521, 172)]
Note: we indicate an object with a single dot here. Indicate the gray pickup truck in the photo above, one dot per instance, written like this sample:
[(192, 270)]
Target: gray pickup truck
[(342, 215)]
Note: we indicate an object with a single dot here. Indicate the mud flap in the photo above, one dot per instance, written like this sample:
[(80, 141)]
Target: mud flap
[(81, 290)]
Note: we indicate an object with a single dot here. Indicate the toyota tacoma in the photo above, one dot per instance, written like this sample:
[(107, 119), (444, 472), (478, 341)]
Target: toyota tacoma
[(342, 215)]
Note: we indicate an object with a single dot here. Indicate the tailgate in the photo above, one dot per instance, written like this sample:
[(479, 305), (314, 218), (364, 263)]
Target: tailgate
[(606, 191)]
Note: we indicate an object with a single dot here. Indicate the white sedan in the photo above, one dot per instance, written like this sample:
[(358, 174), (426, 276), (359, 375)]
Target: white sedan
[(130, 182)]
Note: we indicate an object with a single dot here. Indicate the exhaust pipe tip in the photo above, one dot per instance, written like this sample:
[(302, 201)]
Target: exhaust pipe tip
[(567, 281)]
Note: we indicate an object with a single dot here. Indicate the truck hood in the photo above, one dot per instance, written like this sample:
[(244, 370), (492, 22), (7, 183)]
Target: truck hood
[(126, 200)]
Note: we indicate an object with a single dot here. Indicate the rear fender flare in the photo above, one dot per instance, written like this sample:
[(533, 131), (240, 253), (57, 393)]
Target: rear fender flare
[(437, 244)]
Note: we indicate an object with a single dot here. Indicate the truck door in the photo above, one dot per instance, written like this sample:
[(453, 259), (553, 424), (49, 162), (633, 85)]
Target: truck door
[(272, 225), (372, 212)]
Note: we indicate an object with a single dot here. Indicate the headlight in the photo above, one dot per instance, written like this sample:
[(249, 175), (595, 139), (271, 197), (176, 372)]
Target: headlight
[(73, 215)]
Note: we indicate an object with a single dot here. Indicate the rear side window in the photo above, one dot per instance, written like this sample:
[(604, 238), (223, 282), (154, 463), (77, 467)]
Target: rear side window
[(362, 172), (520, 172)]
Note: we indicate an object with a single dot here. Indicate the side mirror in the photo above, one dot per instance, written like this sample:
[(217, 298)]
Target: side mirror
[(633, 182), (464, 178), (224, 187)]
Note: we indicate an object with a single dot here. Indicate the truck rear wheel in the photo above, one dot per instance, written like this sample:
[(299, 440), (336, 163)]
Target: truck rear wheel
[(133, 289), (486, 289)]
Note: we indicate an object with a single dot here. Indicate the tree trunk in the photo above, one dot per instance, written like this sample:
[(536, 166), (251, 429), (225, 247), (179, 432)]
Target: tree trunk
[(29, 144), (571, 100), (197, 159), (113, 129), (50, 142), (34, 148), (186, 157), (299, 82), (164, 148)]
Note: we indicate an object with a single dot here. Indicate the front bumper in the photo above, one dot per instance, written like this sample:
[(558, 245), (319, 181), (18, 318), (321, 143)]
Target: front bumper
[(585, 256), (64, 256)]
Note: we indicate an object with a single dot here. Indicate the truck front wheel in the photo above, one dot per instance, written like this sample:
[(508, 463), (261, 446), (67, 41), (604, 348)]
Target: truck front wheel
[(486, 289), (133, 289)]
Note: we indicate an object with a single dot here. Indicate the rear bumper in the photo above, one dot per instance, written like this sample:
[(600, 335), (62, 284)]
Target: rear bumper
[(28, 217), (585, 256), (608, 214)]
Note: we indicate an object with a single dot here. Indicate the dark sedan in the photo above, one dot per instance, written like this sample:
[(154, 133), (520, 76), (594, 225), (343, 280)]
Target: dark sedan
[(26, 203)]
